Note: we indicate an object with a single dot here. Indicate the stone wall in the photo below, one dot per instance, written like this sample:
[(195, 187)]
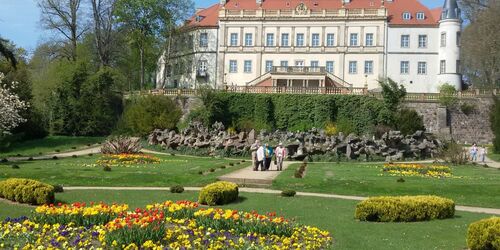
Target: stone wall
[(454, 123)]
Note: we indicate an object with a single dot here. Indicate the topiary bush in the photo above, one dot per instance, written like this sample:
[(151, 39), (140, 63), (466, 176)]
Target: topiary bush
[(484, 234), (404, 208), (176, 189), (58, 189), (288, 193), (27, 191), (218, 193)]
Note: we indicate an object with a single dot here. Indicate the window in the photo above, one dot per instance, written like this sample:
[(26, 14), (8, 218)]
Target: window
[(406, 16), (315, 40), (422, 68), (284, 63), (459, 35), (314, 64), (248, 39), (369, 39), (233, 66), (247, 66), (354, 39), (330, 40), (269, 66), (405, 41), (368, 67), (299, 63), (404, 68), (420, 16), (234, 39), (329, 66), (285, 40), (270, 40), (202, 67), (204, 40), (422, 41), (442, 67), (353, 67), (300, 40), (443, 39)]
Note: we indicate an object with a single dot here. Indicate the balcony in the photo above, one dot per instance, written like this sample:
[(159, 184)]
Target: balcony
[(342, 13), (298, 70)]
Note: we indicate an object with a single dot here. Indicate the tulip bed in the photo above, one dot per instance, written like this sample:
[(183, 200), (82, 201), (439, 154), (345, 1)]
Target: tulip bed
[(170, 225), (127, 159), (413, 169)]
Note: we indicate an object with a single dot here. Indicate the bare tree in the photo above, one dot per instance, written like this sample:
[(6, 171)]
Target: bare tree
[(481, 48), (102, 11), (63, 16), (472, 8)]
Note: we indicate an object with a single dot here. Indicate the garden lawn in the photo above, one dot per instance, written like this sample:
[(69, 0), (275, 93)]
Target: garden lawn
[(493, 156), (49, 144), (336, 216), (478, 186), (172, 170)]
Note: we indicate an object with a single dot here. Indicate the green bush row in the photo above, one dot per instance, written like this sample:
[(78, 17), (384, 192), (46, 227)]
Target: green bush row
[(218, 193), (484, 234), (404, 208), (27, 191)]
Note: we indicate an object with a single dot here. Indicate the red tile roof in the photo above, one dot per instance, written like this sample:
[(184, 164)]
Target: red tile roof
[(209, 17), (395, 8)]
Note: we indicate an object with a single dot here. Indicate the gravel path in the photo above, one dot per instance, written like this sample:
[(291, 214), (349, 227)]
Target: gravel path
[(94, 150)]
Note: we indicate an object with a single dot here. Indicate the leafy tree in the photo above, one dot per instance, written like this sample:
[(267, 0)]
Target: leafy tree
[(7, 53), (392, 93), (447, 96), (408, 121), (144, 114)]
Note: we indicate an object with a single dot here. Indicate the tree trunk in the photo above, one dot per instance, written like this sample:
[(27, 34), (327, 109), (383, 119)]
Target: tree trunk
[(141, 50), (166, 61)]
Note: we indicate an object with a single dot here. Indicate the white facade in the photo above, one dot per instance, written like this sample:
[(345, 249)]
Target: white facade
[(336, 45)]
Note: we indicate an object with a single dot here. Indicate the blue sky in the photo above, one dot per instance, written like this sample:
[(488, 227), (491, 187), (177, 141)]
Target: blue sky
[(19, 20)]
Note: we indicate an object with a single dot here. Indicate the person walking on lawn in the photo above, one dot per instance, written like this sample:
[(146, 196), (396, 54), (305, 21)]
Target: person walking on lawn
[(280, 153)]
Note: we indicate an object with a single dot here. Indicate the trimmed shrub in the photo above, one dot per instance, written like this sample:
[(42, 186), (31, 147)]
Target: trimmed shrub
[(218, 193), (408, 121), (176, 189), (484, 234), (106, 168), (288, 193), (27, 191), (404, 208), (58, 189), (15, 166)]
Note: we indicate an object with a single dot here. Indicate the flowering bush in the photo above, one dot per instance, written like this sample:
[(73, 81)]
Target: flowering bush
[(484, 234), (10, 107), (413, 169), (404, 208), (26, 191), (172, 225)]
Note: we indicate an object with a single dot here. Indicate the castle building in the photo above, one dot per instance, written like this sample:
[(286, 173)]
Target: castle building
[(317, 44)]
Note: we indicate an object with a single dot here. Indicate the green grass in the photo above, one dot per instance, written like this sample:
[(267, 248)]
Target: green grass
[(49, 144), (173, 170), (336, 216), (492, 155), (478, 187)]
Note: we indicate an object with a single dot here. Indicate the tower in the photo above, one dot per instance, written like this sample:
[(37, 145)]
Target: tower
[(450, 26)]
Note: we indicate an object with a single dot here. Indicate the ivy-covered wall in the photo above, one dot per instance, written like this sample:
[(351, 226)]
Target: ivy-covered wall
[(295, 112)]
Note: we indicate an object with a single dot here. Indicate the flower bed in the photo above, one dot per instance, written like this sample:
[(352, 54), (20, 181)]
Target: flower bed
[(167, 225), (413, 169), (128, 159)]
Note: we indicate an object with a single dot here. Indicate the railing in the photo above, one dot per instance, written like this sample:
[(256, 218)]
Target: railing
[(415, 97), (298, 70), (331, 13)]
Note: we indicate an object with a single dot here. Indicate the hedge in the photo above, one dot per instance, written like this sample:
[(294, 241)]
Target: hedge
[(27, 191), (404, 208), (218, 193), (294, 112), (484, 234)]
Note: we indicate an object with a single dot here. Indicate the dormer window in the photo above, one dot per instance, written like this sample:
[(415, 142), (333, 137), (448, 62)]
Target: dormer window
[(406, 16), (199, 18), (420, 16)]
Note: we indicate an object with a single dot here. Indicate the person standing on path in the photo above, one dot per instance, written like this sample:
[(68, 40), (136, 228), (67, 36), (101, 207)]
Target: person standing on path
[(473, 152), (253, 149), (261, 154), (269, 156), (483, 151), (280, 153)]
